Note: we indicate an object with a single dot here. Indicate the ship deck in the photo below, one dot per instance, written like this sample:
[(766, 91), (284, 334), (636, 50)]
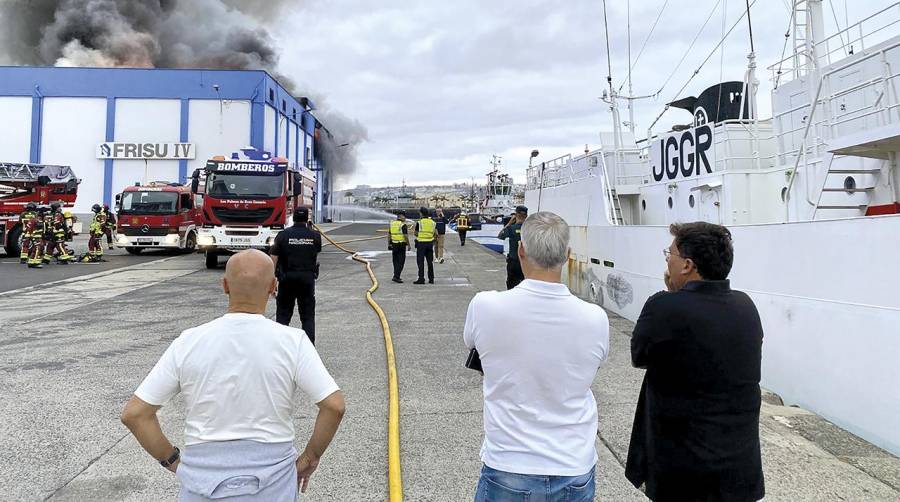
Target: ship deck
[(75, 349)]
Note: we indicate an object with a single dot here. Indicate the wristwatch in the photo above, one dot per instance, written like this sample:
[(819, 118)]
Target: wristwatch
[(171, 460)]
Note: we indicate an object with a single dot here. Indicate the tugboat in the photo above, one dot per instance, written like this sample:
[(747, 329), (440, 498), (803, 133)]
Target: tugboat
[(498, 197)]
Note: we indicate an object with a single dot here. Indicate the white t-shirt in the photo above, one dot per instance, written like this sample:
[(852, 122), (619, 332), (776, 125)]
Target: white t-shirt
[(540, 349), (238, 374)]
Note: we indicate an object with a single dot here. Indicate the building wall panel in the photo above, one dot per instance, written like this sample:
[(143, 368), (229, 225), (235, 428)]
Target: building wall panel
[(71, 130), (15, 129), (269, 142), (217, 128), (146, 121)]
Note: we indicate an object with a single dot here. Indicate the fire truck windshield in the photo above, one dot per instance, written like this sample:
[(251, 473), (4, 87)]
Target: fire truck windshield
[(228, 186), (149, 203)]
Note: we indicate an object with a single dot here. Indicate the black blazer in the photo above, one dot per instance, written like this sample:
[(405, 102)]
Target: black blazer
[(696, 426)]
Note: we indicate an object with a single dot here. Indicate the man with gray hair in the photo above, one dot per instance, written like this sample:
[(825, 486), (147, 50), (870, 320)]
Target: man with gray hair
[(238, 374), (540, 349)]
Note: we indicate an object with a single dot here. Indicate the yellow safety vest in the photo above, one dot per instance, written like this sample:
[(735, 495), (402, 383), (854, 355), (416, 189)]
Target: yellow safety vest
[(397, 231), (462, 223), (426, 230)]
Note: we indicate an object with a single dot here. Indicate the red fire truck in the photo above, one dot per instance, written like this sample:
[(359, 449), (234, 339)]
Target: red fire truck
[(21, 184), (247, 200), (157, 215)]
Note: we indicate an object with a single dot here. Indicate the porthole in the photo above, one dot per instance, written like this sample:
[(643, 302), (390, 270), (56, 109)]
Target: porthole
[(671, 203), (644, 205), (691, 200), (783, 194), (849, 184)]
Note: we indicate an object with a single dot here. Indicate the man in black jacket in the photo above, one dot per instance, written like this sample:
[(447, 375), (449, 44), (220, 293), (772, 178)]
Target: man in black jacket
[(696, 426), (295, 252)]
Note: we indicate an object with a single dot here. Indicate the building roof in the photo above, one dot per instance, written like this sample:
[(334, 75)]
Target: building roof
[(161, 83)]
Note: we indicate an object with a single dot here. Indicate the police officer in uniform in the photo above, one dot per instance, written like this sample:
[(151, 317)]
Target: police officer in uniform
[(513, 231), (294, 252), (398, 242), (426, 229)]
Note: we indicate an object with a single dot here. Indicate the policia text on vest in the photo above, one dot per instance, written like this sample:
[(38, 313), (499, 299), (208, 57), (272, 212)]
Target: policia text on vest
[(295, 252), (425, 235), (398, 242)]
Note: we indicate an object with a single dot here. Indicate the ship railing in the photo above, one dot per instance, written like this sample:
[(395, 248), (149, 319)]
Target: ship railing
[(878, 105), (873, 113), (867, 32)]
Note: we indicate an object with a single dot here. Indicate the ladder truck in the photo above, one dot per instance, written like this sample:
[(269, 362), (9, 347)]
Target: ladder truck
[(20, 184)]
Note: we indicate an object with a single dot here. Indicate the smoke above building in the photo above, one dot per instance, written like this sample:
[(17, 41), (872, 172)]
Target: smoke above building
[(220, 34)]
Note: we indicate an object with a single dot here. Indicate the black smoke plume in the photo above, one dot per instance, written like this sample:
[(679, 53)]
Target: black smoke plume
[(221, 34)]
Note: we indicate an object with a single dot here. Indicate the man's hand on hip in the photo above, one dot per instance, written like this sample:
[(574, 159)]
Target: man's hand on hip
[(306, 465)]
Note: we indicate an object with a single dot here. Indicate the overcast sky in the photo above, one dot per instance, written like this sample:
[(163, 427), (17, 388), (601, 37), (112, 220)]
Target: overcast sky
[(443, 85)]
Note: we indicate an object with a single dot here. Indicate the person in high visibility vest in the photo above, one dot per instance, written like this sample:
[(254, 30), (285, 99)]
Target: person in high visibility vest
[(25, 220), (398, 243), (462, 226), (426, 229)]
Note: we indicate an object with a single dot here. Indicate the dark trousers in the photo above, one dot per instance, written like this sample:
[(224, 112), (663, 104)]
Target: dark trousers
[(425, 252), (514, 273), (462, 237), (398, 253), (299, 289)]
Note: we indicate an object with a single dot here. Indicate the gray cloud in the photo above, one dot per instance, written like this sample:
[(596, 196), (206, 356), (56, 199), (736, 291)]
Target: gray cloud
[(229, 34)]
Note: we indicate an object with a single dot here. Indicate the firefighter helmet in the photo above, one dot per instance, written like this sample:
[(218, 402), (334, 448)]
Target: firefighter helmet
[(95, 208), (31, 206), (55, 206)]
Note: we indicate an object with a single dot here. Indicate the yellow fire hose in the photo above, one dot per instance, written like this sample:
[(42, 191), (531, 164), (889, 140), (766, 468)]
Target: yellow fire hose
[(395, 482), (330, 242)]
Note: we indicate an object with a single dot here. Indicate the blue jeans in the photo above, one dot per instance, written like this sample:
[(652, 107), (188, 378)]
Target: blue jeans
[(500, 486)]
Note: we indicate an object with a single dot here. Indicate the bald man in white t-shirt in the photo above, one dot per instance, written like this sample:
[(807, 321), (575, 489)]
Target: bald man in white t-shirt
[(238, 374)]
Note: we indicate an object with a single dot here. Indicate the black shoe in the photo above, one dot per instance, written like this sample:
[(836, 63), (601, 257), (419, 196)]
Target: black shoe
[(397, 280), (23, 260), (463, 244), (430, 281), (419, 281)]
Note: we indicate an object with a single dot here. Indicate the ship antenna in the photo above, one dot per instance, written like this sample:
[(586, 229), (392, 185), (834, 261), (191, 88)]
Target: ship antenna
[(612, 90), (697, 71)]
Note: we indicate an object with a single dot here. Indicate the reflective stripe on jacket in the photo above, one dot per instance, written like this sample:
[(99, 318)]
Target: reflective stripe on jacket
[(426, 230), (397, 231)]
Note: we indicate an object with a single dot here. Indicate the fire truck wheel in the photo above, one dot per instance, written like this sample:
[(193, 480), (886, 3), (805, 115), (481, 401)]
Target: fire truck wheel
[(134, 250), (212, 260), (190, 243), (12, 242)]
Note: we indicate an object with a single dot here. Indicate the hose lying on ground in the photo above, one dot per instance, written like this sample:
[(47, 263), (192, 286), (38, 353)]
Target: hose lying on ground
[(395, 482)]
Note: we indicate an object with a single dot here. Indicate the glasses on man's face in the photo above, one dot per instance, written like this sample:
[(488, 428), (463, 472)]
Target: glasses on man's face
[(667, 252)]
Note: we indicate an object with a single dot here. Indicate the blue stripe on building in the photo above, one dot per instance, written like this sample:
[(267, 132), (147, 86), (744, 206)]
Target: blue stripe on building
[(108, 163), (183, 137)]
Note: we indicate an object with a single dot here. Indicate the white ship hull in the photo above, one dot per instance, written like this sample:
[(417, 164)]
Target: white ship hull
[(829, 306)]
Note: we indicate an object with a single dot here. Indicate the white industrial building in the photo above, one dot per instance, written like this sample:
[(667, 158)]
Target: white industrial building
[(120, 126)]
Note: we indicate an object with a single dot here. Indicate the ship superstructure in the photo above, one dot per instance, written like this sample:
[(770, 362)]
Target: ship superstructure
[(811, 196)]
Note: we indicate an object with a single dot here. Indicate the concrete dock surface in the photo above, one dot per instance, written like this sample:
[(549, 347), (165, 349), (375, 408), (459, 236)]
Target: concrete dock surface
[(73, 351)]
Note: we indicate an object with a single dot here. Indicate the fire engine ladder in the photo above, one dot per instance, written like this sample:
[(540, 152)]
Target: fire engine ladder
[(10, 171)]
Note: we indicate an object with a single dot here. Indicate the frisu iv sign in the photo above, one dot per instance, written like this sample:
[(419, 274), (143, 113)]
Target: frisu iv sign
[(146, 151)]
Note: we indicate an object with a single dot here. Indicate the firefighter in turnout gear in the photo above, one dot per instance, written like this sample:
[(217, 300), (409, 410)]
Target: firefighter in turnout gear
[(95, 249), (109, 226), (58, 233), (29, 214), (398, 243), (37, 230), (426, 229)]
